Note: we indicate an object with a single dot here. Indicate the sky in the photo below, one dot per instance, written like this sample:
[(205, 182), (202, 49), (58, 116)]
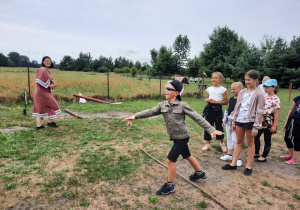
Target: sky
[(131, 28)]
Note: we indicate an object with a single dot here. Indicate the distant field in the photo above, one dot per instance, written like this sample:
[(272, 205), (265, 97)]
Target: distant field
[(13, 81)]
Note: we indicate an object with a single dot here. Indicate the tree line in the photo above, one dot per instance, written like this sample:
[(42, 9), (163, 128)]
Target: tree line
[(226, 52)]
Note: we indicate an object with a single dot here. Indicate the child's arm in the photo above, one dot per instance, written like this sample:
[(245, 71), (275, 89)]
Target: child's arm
[(143, 114), (207, 100), (200, 120), (260, 106), (224, 102), (276, 117), (291, 109)]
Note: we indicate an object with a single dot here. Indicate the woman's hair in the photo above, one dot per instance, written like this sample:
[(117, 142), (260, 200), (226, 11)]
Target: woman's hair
[(237, 84), (44, 58), (253, 74), (219, 74)]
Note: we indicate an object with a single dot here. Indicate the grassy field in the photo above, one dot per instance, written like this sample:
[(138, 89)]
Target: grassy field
[(95, 162)]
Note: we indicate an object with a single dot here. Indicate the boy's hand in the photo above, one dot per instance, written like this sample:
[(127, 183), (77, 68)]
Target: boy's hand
[(216, 132), (223, 124), (233, 128), (129, 119)]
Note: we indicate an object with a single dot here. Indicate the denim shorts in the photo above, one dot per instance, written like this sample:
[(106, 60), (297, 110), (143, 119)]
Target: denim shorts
[(180, 147), (247, 126)]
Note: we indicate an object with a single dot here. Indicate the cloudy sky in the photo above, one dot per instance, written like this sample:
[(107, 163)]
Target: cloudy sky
[(131, 28)]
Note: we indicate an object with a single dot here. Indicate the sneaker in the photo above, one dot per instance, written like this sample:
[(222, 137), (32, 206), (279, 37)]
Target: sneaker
[(200, 175), (223, 147), (52, 124), (229, 167), (248, 171), (206, 147), (226, 157), (287, 157), (292, 162), (166, 189), (239, 163)]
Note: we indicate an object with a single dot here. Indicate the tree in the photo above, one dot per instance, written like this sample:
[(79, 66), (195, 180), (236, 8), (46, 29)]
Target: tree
[(133, 71), (3, 60), (193, 66), (15, 58), (215, 52), (83, 61), (182, 48), (66, 63), (24, 61)]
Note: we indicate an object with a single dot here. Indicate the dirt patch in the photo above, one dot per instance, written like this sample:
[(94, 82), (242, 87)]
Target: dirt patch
[(3, 107), (13, 129)]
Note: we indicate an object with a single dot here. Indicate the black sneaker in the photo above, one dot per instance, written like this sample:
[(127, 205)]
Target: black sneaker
[(229, 167), (248, 171), (195, 176), (166, 189), (41, 127), (52, 124)]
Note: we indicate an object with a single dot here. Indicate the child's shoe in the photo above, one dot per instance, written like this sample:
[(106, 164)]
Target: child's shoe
[(206, 147), (198, 175), (239, 163), (223, 147), (292, 162), (226, 157), (287, 157), (229, 167), (166, 189), (248, 171)]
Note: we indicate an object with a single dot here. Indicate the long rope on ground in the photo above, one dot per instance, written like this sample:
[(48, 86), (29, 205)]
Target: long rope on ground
[(188, 181)]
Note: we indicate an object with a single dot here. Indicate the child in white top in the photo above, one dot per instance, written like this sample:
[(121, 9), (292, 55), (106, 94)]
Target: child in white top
[(216, 97)]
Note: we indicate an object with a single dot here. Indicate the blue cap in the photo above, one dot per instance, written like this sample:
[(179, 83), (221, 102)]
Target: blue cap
[(270, 83)]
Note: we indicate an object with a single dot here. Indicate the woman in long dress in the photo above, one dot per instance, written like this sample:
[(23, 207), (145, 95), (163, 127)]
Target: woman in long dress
[(45, 104)]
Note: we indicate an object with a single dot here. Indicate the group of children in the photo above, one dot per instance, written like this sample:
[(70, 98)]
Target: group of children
[(251, 113)]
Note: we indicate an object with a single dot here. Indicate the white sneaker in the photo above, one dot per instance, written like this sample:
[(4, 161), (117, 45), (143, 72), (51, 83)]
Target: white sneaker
[(226, 157), (239, 163)]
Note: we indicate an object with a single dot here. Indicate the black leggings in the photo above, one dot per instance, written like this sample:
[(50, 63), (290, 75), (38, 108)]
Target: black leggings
[(267, 138), (296, 138)]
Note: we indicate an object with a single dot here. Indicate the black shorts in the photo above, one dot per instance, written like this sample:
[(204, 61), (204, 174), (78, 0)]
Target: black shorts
[(180, 147), (247, 126)]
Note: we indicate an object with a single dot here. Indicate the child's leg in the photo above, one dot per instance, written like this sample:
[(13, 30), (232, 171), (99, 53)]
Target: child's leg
[(297, 147), (39, 121), (230, 142), (289, 143), (194, 163), (240, 133), (211, 120), (251, 148), (257, 141), (218, 123), (267, 147), (171, 170)]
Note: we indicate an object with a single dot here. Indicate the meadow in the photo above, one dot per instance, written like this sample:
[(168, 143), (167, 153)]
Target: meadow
[(95, 162)]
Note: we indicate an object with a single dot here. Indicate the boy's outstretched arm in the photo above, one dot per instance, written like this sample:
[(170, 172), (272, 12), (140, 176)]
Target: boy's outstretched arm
[(129, 119), (216, 132)]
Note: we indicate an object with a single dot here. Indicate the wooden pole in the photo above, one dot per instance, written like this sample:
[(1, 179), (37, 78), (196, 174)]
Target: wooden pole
[(188, 181), (107, 84), (28, 82), (290, 91), (72, 113), (227, 84)]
